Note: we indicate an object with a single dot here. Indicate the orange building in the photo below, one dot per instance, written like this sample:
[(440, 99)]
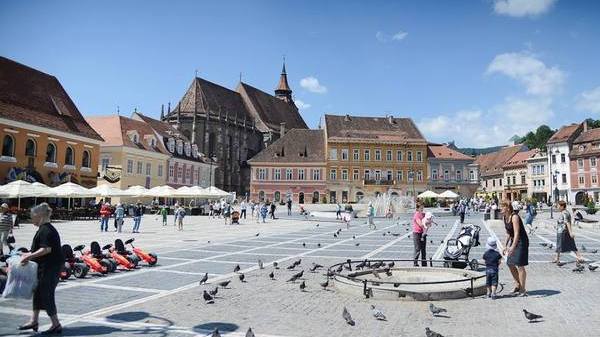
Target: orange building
[(44, 136)]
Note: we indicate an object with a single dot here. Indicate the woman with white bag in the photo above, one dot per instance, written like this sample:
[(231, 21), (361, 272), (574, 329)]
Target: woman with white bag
[(46, 252)]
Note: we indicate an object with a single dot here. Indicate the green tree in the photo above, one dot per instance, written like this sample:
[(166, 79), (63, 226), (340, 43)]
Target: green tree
[(537, 139)]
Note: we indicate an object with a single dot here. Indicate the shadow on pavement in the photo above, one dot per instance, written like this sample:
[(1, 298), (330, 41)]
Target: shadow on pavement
[(209, 327), (89, 330), (543, 292), (130, 316)]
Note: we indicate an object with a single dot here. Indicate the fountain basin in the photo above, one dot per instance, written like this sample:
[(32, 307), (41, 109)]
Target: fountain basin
[(414, 283)]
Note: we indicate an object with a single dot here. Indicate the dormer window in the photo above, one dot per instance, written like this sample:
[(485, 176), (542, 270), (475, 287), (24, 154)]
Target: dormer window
[(179, 146), (188, 149), (171, 145), (581, 147), (133, 136)]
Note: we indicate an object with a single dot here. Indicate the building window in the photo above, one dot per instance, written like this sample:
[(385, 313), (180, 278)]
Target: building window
[(139, 167), (344, 174), (399, 176), (522, 179), (377, 175), (563, 158), (410, 175), (30, 148), (356, 154), (471, 175), (564, 178), (494, 182), (85, 159), (69, 157), (390, 175), (332, 174), (344, 154), (277, 174), (8, 146), (276, 196), (580, 163), (581, 180), (332, 154), (434, 174), (355, 175), (160, 170), (377, 154), (409, 156), (316, 174), (188, 174), (148, 169), (553, 159), (179, 173), (300, 174), (262, 174), (419, 175), (419, 156), (388, 155), (51, 153), (171, 171), (593, 162), (500, 181), (399, 155), (367, 175), (288, 174), (594, 179), (458, 175), (129, 166), (446, 175), (367, 155), (514, 180), (105, 162)]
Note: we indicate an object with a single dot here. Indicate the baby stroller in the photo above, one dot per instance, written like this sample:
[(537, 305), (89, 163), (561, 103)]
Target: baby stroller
[(457, 250)]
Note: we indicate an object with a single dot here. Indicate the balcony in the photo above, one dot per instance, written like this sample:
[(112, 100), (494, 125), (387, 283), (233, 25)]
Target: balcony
[(378, 182)]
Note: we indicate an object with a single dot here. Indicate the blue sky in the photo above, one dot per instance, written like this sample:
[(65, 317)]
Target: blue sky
[(474, 71)]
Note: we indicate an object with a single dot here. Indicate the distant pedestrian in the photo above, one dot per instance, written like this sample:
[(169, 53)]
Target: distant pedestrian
[(6, 227), (211, 210), (263, 212), (243, 206), (492, 260), (179, 215), (104, 216), (530, 214), (419, 240), (138, 212), (462, 210), (119, 216), (338, 211), (227, 213), (289, 206), (163, 212), (370, 216), (272, 212), (252, 205), (565, 238)]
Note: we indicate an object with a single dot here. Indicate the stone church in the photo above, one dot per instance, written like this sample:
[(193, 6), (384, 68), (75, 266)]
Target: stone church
[(232, 126)]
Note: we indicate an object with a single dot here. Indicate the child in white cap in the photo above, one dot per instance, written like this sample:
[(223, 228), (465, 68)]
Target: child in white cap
[(492, 261)]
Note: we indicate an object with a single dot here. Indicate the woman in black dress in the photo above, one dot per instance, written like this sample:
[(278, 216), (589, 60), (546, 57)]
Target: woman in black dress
[(516, 247), (46, 252)]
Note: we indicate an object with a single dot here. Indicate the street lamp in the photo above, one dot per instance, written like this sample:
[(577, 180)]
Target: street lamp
[(553, 176)]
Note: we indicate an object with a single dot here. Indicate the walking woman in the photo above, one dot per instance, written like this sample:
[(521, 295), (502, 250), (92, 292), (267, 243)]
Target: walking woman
[(565, 238), (46, 252), (419, 240), (516, 247)]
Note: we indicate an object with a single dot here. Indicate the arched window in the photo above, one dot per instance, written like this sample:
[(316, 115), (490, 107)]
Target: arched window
[(261, 195), (277, 196), (315, 198), (51, 153), (301, 197), (30, 148), (69, 156), (85, 159), (8, 146), (359, 195)]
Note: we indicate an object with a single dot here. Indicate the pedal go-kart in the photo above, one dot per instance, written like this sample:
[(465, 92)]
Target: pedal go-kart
[(102, 266), (72, 265), (121, 250), (122, 260), (96, 252), (149, 258)]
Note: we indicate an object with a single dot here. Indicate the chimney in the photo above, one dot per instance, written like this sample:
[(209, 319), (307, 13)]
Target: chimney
[(281, 129), (585, 126)]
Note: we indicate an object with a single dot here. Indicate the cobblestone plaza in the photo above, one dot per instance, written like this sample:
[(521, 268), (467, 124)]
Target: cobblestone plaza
[(166, 300)]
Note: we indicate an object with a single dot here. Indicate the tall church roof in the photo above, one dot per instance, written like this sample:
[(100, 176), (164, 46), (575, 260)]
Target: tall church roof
[(283, 86)]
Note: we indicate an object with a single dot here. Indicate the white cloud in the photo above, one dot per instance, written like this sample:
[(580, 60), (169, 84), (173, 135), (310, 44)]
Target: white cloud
[(589, 101), (384, 37), (538, 78), (301, 105), (521, 8), (312, 84)]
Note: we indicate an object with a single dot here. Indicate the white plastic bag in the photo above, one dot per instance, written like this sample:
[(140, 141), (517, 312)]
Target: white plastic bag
[(22, 280)]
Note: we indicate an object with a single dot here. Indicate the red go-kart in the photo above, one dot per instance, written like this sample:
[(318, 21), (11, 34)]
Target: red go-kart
[(102, 266), (149, 258), (72, 265), (96, 252), (122, 260)]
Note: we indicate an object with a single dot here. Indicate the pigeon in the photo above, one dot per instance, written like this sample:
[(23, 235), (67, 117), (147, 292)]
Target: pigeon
[(391, 264), (396, 285), (250, 333), (290, 267), (442, 241), (378, 314), (334, 235), (594, 251), (431, 241), (353, 236), (216, 333), (208, 241), (257, 234), (325, 284), (318, 245), (275, 265), (550, 246), (531, 316), (357, 244), (315, 266), (304, 244), (272, 275), (583, 248), (317, 225), (543, 244), (260, 264), (383, 234), (431, 333), (236, 268), (296, 276), (224, 284), (330, 273), (347, 317), (302, 286), (204, 278), (207, 297), (592, 268), (579, 269), (214, 292), (242, 277), (297, 263), (436, 310)]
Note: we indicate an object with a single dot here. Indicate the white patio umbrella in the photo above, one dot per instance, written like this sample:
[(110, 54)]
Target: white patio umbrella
[(215, 193), (136, 191), (42, 190), (185, 192), (17, 189), (71, 190), (448, 195), (106, 190), (161, 191), (428, 194)]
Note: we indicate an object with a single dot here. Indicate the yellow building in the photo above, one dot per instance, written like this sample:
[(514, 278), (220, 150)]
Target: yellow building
[(367, 156), (132, 153), (44, 136)]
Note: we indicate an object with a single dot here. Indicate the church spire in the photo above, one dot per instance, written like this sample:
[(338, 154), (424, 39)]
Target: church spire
[(283, 90)]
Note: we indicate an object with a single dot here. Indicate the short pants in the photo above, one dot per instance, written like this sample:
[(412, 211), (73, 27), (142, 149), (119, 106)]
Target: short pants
[(491, 278)]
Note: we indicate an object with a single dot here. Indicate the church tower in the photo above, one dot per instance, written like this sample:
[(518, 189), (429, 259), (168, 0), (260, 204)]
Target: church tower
[(283, 90)]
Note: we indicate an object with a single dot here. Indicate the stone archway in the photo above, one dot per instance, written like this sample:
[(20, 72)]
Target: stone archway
[(580, 198)]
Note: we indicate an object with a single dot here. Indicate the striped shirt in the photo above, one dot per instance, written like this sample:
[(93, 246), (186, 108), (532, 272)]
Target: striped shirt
[(6, 222)]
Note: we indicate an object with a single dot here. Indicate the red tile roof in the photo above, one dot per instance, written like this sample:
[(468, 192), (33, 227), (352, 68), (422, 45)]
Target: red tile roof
[(114, 130), (30, 96), (402, 130), (491, 164), (296, 145), (519, 159), (566, 133), (444, 152)]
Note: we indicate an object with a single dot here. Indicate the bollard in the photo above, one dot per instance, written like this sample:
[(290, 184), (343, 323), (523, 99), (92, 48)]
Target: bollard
[(472, 290)]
